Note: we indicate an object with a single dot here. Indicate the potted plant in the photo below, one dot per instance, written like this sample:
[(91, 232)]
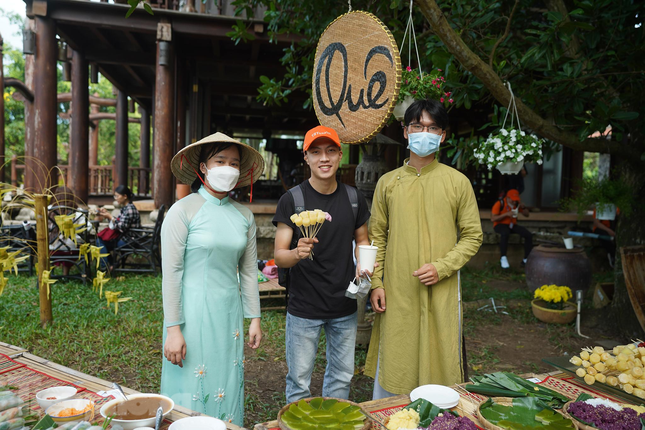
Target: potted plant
[(508, 150), (605, 195), (550, 304), (420, 86)]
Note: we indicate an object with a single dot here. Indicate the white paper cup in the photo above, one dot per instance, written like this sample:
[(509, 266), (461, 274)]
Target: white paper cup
[(367, 257), (568, 242)]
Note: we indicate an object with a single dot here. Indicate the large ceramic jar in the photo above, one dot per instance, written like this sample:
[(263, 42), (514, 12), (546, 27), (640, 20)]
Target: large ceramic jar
[(368, 172), (548, 265)]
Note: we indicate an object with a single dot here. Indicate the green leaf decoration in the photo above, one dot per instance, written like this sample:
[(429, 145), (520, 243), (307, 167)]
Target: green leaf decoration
[(525, 413), (323, 413), (46, 423), (427, 411)]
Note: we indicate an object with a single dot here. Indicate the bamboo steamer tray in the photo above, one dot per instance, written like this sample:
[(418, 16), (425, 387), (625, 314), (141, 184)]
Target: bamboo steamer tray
[(368, 416), (508, 401)]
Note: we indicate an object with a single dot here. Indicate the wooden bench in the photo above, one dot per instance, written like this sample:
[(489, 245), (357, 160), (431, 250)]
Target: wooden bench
[(272, 290)]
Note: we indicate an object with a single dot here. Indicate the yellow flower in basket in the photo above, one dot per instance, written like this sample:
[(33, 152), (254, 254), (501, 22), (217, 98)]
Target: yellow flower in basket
[(554, 295)]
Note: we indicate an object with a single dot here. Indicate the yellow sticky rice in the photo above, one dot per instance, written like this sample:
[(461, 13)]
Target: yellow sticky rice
[(404, 419)]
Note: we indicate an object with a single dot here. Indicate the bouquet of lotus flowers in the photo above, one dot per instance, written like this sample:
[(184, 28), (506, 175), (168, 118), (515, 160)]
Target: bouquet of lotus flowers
[(310, 223)]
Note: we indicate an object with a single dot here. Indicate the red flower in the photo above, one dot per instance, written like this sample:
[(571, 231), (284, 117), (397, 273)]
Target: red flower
[(448, 94), (451, 100), (438, 85), (409, 69), (406, 81), (418, 77), (414, 92), (434, 82), (440, 70), (441, 99)]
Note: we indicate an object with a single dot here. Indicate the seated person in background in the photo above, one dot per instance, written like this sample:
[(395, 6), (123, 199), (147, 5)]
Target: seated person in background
[(606, 227), (504, 217), (110, 237)]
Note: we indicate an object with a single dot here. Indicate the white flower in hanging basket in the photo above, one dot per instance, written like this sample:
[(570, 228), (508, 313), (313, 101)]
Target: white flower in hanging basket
[(509, 146)]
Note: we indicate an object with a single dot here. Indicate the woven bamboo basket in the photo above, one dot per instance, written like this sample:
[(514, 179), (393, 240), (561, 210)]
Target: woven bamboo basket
[(508, 401), (368, 420)]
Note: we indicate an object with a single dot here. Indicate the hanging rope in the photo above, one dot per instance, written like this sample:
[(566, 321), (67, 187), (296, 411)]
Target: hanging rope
[(512, 108), (413, 38), (349, 3)]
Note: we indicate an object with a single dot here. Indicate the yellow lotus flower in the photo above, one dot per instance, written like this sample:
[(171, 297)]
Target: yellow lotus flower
[(95, 251), (113, 297), (45, 282), (67, 227), (98, 282)]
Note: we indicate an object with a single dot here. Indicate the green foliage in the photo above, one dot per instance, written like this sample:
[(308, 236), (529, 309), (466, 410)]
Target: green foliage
[(576, 68), (601, 193), (509, 145), (428, 86)]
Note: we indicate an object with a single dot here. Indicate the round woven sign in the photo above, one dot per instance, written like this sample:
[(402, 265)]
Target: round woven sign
[(357, 75)]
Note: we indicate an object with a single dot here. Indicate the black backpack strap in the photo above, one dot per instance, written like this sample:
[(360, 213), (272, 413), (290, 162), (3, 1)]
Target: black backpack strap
[(298, 198), (353, 199)]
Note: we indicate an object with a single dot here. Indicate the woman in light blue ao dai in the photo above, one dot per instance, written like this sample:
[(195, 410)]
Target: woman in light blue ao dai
[(206, 240)]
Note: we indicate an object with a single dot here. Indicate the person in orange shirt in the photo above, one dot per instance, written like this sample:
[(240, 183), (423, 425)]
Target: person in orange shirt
[(504, 217)]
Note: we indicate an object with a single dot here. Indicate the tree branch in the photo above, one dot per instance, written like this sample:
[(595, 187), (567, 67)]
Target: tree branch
[(494, 84), (504, 36)]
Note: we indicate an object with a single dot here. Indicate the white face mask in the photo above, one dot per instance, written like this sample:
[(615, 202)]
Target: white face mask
[(222, 178)]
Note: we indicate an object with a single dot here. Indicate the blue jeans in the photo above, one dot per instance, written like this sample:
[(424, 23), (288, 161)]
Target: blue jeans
[(106, 248), (301, 341)]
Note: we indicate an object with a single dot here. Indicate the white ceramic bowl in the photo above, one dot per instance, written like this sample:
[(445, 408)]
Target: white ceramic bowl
[(79, 404), (45, 400), (198, 423), (133, 424)]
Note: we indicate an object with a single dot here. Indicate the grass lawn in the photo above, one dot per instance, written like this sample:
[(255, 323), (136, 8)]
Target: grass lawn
[(126, 348)]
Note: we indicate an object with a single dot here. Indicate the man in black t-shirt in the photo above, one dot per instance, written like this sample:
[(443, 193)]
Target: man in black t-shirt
[(317, 287)]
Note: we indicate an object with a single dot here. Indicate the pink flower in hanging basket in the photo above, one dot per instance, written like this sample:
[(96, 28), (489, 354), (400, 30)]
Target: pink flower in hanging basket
[(451, 100), (441, 99), (409, 69)]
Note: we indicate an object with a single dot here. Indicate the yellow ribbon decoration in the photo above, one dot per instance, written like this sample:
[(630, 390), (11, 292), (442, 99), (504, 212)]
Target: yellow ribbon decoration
[(67, 227), (45, 282), (84, 252), (3, 282), (113, 297), (98, 282), (95, 251), (10, 260)]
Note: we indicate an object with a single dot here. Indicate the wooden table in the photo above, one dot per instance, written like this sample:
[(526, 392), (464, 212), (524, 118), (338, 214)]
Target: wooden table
[(272, 290), (75, 377)]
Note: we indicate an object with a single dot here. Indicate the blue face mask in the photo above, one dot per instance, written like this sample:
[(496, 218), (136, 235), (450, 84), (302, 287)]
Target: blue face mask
[(424, 143)]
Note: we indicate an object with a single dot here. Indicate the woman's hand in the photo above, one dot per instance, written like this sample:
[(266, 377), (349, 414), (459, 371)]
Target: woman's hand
[(105, 213), (175, 347), (255, 333)]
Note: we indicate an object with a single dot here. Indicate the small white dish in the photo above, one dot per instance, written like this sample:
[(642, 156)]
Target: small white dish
[(198, 423), (439, 395), (50, 396)]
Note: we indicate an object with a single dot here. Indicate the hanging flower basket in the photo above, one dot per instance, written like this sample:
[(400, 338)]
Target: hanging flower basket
[(510, 168), (509, 145), (416, 85), (605, 211)]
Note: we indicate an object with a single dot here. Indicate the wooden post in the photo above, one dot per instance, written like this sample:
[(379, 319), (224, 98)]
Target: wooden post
[(14, 171), (45, 79), (144, 162), (2, 160), (79, 136), (164, 141), (29, 175), (121, 150), (42, 240)]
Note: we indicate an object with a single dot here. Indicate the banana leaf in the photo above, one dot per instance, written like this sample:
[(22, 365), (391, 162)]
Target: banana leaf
[(525, 413), (427, 411), (45, 423), (510, 381)]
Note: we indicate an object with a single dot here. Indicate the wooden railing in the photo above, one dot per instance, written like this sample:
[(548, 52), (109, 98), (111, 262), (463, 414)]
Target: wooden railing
[(102, 179), (210, 7)]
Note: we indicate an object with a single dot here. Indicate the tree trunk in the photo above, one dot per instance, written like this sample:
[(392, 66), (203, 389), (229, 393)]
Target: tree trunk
[(629, 231)]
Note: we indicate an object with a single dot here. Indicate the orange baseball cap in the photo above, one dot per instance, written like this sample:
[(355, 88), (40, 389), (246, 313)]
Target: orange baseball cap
[(317, 133), (513, 195)]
